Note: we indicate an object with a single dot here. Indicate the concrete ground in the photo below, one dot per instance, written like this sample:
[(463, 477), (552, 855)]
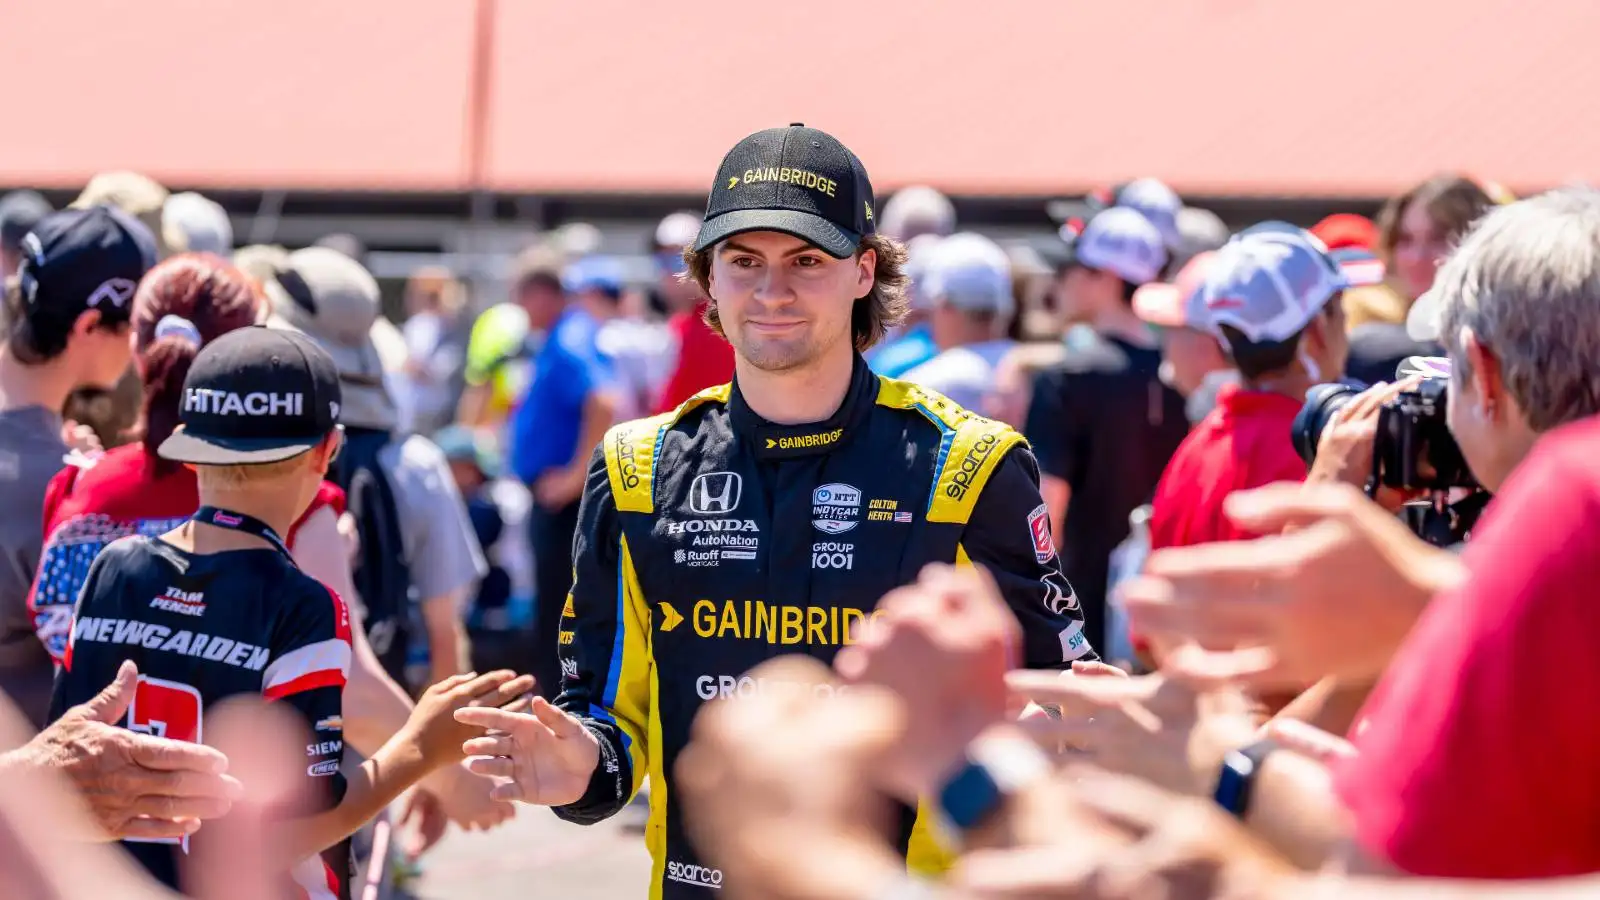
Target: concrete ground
[(537, 856)]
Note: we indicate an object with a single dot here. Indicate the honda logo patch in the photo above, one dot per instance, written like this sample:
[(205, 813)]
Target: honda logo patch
[(715, 493)]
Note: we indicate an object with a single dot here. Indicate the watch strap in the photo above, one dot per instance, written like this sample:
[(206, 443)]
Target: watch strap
[(992, 770), (1237, 778)]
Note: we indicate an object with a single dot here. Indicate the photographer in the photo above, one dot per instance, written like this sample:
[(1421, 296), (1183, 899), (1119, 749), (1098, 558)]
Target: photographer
[(1482, 682)]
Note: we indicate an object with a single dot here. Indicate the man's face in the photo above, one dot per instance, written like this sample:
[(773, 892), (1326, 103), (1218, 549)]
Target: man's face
[(1490, 431), (105, 352), (783, 303), (1189, 356), (1078, 291)]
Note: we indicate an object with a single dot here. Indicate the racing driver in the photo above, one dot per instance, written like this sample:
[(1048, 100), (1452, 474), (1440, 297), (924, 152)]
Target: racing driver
[(767, 516)]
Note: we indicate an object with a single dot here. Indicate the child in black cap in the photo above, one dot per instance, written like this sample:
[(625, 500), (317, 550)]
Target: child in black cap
[(216, 608)]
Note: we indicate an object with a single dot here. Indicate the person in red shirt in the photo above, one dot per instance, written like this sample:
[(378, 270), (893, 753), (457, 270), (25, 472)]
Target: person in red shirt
[(704, 358), (180, 305), (1273, 295)]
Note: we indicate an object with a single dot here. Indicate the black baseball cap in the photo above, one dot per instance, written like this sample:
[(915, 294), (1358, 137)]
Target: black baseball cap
[(255, 395), (797, 180), (76, 260)]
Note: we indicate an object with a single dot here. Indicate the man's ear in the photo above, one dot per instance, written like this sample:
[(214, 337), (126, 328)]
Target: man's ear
[(866, 272), (87, 321), (1483, 367)]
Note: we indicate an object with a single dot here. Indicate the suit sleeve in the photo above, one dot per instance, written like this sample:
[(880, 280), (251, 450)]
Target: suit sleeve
[(1009, 533), (605, 656)]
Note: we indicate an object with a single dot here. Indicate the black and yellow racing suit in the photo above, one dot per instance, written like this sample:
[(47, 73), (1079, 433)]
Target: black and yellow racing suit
[(711, 540)]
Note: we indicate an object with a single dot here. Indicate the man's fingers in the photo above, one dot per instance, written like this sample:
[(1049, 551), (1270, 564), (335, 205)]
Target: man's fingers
[(1270, 509), (1093, 668), (1310, 740), (495, 745), (1044, 687), (165, 806), (509, 791), (1025, 873), (493, 766), (155, 829), (168, 755), (489, 717), (1132, 804), (1200, 669), (111, 704), (559, 723)]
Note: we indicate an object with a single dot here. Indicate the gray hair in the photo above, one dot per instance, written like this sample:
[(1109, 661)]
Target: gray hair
[(1526, 280)]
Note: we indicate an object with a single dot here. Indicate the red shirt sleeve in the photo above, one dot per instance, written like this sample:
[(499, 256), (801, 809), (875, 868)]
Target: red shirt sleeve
[(1479, 747), (328, 494), (704, 360)]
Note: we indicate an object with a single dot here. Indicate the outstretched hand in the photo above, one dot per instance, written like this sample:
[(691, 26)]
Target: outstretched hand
[(546, 753)]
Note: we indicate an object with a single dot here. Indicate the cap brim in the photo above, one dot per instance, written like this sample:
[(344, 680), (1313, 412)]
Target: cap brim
[(1159, 303), (812, 229), (1422, 322), (186, 448)]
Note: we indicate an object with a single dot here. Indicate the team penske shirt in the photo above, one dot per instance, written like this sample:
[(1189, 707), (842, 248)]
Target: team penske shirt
[(86, 508), (203, 628)]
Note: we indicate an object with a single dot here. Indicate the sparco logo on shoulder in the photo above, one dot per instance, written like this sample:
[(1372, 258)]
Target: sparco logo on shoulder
[(970, 464), (627, 469)]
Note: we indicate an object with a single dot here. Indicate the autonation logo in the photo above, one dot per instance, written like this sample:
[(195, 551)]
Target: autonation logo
[(689, 873)]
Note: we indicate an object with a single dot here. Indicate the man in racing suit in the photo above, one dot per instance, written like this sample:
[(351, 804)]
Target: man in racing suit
[(712, 538)]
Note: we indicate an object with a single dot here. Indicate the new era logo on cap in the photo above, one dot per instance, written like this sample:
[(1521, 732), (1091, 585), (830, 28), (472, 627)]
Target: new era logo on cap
[(797, 180)]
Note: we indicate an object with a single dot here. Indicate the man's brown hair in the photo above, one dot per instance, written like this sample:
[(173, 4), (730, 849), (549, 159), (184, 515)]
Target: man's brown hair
[(884, 306)]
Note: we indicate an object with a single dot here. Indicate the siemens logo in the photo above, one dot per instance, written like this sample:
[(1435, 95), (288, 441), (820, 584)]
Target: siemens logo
[(970, 464)]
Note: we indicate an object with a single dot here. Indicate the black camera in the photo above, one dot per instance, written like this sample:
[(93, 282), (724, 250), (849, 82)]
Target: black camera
[(1413, 449)]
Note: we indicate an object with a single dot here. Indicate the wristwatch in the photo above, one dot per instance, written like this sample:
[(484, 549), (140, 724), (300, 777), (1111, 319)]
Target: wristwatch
[(1237, 779), (991, 771)]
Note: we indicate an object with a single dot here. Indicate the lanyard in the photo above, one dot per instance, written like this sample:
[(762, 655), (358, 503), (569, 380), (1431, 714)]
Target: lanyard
[(221, 518)]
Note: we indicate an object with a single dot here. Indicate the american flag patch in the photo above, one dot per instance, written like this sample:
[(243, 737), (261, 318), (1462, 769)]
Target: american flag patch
[(902, 517)]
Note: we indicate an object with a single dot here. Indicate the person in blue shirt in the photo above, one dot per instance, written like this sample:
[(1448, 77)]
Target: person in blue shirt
[(912, 344), (570, 402)]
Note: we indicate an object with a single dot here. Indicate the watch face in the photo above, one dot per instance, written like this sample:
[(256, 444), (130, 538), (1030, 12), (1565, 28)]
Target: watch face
[(970, 797)]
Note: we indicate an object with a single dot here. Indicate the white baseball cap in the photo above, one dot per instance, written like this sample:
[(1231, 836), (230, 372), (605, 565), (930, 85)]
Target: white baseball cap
[(1269, 282), (1119, 240), (970, 272)]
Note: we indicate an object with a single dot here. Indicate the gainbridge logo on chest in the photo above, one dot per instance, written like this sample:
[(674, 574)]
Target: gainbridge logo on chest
[(770, 623)]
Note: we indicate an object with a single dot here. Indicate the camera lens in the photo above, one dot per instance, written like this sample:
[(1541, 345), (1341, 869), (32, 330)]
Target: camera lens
[(1322, 401)]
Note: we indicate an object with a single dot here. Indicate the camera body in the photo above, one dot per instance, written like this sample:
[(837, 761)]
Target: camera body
[(1413, 450)]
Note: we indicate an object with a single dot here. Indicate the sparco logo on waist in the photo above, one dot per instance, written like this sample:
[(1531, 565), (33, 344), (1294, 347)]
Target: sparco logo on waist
[(255, 403), (970, 464), (627, 469), (689, 873)]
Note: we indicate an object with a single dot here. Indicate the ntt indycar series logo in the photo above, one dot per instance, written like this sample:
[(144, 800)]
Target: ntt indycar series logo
[(689, 873)]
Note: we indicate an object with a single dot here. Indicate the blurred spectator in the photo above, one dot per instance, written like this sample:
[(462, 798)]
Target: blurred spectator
[(67, 320), (968, 284), (345, 243), (1342, 230), (702, 358), (434, 349), (499, 616), (1199, 231), (502, 343), (1193, 361), (1416, 231), (1102, 423), (418, 556), (911, 343), (570, 402), (914, 211), (1014, 377), (201, 223), (638, 351), (1151, 198), (1274, 296), (19, 212)]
